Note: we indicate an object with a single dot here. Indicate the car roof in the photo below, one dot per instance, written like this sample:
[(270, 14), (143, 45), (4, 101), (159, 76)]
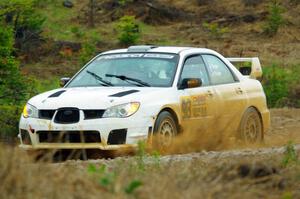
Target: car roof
[(157, 49)]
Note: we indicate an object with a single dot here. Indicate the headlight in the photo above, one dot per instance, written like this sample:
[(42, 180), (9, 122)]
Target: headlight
[(30, 111), (123, 110)]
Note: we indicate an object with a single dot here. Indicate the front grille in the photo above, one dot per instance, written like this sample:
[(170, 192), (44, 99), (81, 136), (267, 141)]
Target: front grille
[(93, 114), (46, 114), (67, 116), (117, 136), (25, 137), (69, 136)]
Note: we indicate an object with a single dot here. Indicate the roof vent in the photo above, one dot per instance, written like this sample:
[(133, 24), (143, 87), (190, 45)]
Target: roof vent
[(143, 48)]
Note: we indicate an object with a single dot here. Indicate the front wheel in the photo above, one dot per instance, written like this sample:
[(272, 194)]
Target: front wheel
[(251, 128), (165, 129)]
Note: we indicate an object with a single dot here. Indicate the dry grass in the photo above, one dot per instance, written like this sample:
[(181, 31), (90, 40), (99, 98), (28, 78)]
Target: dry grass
[(248, 176), (233, 174)]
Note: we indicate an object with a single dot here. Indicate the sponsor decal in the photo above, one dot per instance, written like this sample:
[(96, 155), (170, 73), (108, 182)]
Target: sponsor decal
[(136, 55), (194, 106)]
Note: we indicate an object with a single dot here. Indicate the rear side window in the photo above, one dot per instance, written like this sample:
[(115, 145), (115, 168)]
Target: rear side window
[(218, 71), (194, 67)]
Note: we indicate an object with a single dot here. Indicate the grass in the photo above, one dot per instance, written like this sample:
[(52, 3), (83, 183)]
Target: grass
[(253, 176), (46, 85), (59, 21)]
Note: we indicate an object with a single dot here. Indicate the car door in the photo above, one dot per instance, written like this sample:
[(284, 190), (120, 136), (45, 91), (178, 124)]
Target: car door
[(230, 93), (197, 104)]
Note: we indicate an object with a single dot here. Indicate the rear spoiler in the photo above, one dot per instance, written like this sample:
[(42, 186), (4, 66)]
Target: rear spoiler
[(255, 71)]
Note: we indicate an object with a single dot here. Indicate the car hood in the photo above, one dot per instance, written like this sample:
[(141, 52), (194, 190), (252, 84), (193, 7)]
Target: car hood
[(90, 97)]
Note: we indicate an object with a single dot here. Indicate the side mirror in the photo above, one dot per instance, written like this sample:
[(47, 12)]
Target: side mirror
[(190, 83), (63, 81)]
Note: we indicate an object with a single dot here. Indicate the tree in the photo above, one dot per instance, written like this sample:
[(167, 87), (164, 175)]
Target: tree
[(12, 83), (275, 18), (91, 13), (23, 18), (128, 30)]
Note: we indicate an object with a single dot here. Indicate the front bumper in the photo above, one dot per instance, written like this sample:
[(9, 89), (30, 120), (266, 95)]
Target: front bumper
[(136, 129), (77, 146)]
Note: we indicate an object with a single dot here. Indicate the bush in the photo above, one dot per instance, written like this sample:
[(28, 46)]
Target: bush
[(216, 32), (9, 120), (78, 33), (276, 85), (13, 89), (27, 24), (124, 2), (13, 86), (290, 155), (279, 84), (128, 30), (109, 180), (87, 52), (274, 19)]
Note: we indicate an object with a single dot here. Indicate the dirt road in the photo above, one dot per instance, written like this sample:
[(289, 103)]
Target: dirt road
[(285, 128), (232, 173)]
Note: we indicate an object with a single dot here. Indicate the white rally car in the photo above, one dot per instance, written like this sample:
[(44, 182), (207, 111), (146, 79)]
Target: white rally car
[(123, 96)]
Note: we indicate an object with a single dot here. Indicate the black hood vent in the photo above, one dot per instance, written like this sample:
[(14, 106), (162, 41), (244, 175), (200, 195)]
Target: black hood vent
[(57, 94), (124, 93)]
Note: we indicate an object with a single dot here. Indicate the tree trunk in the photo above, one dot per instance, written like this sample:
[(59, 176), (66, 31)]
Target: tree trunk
[(91, 13)]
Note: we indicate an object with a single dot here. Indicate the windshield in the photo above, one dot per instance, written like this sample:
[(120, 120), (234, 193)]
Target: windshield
[(128, 69)]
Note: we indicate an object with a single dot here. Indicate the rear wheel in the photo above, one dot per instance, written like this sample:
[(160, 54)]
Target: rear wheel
[(165, 129), (251, 128)]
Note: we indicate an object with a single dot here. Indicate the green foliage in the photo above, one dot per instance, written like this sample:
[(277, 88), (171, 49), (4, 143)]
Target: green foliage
[(45, 3), (128, 30), (13, 88), (290, 156), (25, 21), (124, 2), (274, 19), (133, 185), (156, 158), (287, 195), (107, 179), (280, 84), (9, 120), (94, 37), (276, 85), (216, 32), (22, 15), (77, 32), (141, 154), (87, 52)]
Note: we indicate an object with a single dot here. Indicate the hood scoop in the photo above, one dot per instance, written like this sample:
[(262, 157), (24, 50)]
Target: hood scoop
[(57, 94), (124, 93)]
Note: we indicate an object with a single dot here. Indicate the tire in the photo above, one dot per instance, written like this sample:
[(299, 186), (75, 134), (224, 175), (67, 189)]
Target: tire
[(251, 127), (165, 130)]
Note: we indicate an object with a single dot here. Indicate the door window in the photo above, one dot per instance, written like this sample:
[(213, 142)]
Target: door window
[(218, 71), (194, 67)]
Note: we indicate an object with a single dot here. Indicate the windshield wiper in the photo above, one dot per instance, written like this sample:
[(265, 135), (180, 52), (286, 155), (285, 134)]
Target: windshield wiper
[(100, 79), (125, 78)]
